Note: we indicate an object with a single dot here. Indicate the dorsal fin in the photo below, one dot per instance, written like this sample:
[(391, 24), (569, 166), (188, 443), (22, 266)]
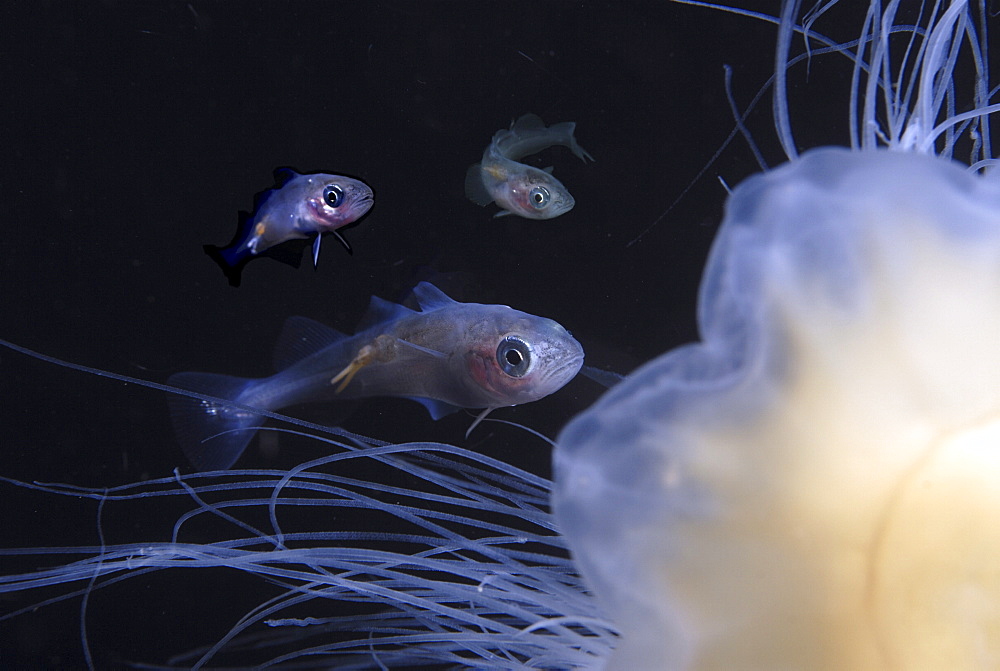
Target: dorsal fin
[(301, 337), (528, 121), (474, 188), (283, 176), (381, 311), (429, 297), (259, 199)]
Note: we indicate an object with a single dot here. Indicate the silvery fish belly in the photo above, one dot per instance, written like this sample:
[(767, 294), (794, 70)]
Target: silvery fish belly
[(446, 356), (298, 207), (518, 188)]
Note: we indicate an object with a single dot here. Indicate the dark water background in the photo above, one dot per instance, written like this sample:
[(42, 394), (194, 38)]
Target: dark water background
[(135, 131)]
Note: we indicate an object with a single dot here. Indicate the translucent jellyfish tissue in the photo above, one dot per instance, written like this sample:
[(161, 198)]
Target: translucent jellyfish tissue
[(816, 484)]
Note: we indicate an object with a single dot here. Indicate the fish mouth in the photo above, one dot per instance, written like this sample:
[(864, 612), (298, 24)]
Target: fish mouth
[(364, 203), (558, 372), (563, 205), (562, 373)]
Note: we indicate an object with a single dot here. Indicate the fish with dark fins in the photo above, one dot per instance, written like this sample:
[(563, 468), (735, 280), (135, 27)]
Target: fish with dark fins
[(298, 207)]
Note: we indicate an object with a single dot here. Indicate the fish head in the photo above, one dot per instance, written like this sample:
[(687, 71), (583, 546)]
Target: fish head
[(334, 201), (518, 358), (534, 194)]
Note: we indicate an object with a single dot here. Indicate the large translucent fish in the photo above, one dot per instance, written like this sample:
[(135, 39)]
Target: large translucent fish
[(447, 356)]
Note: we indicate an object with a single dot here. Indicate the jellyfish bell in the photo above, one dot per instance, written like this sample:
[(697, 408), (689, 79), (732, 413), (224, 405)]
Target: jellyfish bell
[(815, 483)]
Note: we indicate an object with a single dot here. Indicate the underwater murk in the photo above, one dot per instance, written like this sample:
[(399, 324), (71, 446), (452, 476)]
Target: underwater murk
[(798, 470)]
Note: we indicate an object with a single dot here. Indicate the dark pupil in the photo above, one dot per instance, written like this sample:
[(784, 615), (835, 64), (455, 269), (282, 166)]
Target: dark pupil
[(538, 198), (513, 357), (334, 196)]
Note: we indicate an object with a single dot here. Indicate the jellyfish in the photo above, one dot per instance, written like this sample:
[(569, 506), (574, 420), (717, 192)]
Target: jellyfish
[(816, 483)]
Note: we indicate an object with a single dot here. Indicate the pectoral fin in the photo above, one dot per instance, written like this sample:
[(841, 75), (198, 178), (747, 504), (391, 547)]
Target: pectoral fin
[(421, 349), (316, 242)]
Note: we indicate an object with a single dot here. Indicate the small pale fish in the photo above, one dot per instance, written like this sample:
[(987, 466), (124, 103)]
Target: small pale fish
[(298, 207), (446, 356), (518, 188)]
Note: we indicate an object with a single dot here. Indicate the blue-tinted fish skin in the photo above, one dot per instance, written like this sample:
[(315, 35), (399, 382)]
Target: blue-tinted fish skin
[(518, 188), (448, 355), (298, 207)]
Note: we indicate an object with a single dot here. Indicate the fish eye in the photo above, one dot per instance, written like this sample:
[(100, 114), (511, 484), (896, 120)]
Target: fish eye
[(333, 195), (514, 356), (539, 197)]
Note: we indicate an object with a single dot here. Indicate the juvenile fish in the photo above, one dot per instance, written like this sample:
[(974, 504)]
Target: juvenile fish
[(518, 188), (447, 356), (298, 207)]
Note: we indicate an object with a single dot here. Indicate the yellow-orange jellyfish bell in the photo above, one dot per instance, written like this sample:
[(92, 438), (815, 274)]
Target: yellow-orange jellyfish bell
[(816, 484)]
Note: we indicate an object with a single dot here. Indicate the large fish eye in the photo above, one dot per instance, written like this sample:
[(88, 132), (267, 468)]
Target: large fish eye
[(514, 356), (539, 197), (333, 195)]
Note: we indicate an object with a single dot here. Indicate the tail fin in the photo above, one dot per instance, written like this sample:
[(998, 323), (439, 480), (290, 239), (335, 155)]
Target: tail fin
[(212, 435), (227, 259)]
